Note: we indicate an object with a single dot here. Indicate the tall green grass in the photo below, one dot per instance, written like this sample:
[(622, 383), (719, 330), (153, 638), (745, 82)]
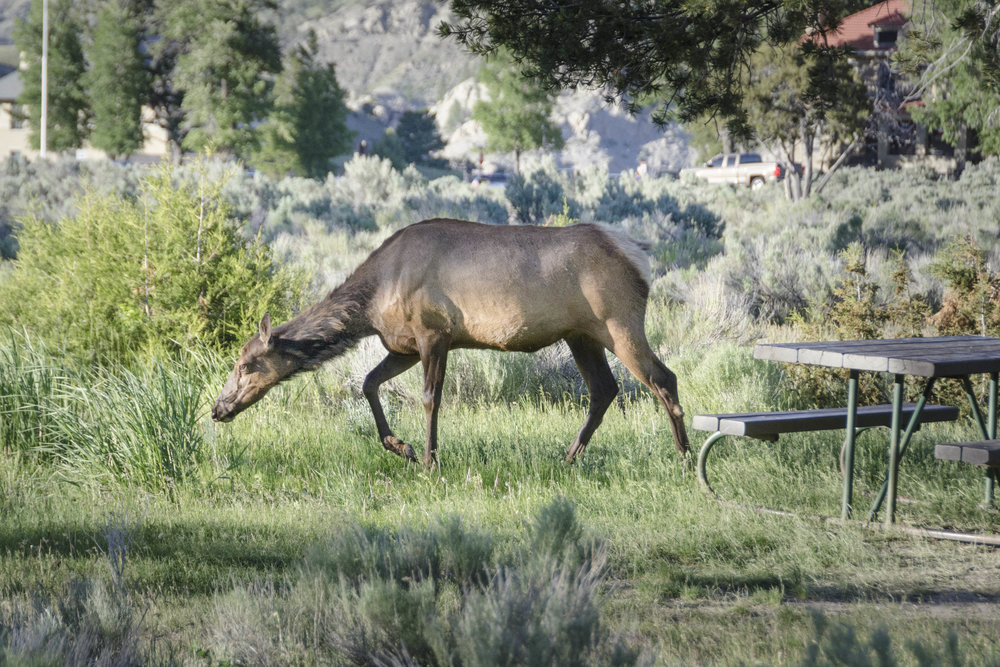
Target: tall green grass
[(133, 426), (28, 381)]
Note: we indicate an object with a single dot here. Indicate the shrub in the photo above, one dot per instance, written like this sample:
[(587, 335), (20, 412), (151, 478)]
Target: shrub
[(440, 595), (163, 271), (972, 302), (537, 196), (858, 311)]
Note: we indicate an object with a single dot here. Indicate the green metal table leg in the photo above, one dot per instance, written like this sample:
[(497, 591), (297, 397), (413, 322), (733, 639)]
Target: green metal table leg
[(897, 410), (703, 458), (849, 440), (992, 426), (903, 444), (987, 425)]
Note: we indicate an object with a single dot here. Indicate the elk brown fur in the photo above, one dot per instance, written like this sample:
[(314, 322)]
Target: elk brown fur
[(444, 284)]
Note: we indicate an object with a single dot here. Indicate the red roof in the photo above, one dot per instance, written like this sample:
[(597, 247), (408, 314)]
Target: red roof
[(858, 30)]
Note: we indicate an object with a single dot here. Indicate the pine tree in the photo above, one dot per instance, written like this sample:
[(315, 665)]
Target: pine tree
[(418, 133), (308, 127), (67, 101), (955, 75), (517, 115), (227, 58), (117, 81)]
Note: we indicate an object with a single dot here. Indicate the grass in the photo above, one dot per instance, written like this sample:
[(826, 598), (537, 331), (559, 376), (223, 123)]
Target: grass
[(258, 552)]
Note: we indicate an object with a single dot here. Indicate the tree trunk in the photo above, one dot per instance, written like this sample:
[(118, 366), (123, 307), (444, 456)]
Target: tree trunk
[(793, 181), (808, 140), (961, 149), (836, 165)]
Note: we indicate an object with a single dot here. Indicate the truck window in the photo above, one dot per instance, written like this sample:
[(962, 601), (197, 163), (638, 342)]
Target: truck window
[(747, 158), (716, 161), (731, 161)]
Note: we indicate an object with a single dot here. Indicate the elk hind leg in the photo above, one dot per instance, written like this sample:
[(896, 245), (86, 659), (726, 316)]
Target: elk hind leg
[(434, 357), (630, 345), (390, 367), (593, 364)]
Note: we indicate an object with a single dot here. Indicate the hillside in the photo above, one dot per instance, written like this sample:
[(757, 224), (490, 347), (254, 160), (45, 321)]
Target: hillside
[(389, 59)]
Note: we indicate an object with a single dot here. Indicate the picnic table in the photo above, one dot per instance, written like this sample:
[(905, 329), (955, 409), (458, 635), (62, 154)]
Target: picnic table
[(927, 358)]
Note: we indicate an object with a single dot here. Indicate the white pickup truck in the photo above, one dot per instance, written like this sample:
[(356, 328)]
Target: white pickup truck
[(737, 169)]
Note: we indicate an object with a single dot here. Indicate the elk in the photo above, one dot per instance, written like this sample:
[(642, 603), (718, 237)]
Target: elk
[(442, 284)]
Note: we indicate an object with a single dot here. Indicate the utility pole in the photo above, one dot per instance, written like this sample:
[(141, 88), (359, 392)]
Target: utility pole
[(44, 120)]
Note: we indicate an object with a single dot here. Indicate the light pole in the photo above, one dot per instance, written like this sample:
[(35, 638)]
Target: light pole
[(44, 119)]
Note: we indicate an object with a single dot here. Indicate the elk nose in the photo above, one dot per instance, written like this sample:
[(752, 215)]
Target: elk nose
[(216, 413)]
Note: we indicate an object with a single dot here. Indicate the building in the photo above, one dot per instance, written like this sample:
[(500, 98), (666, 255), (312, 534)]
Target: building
[(15, 132)]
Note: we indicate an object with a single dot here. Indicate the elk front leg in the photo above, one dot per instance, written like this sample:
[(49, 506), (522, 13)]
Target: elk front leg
[(434, 356), (390, 367)]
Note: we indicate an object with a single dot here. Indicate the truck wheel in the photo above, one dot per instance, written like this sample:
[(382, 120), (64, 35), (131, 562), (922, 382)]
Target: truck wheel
[(756, 183)]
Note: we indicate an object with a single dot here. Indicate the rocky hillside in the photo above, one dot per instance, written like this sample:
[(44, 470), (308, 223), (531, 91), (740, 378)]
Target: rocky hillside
[(390, 59)]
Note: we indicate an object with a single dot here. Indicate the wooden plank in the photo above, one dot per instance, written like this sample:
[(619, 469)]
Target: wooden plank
[(772, 352), (981, 453), (946, 364), (861, 361), (758, 424), (948, 452)]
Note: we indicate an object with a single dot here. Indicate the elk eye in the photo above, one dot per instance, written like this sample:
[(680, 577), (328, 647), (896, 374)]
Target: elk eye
[(243, 368)]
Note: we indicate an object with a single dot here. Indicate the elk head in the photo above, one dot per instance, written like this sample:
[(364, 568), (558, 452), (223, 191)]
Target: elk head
[(260, 366)]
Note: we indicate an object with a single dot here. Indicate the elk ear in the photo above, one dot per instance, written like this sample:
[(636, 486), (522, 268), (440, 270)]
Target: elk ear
[(265, 329)]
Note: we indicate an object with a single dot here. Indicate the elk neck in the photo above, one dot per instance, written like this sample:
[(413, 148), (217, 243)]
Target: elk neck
[(327, 329)]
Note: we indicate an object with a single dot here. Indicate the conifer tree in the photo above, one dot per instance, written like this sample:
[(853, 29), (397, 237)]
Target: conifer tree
[(117, 81), (308, 126), (67, 101), (418, 133), (227, 58)]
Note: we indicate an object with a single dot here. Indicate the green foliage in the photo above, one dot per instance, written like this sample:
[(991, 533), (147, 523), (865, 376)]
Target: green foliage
[(117, 82), (536, 197), (418, 133), (952, 64), (390, 147), (438, 595), (857, 312), (308, 126), (516, 117), (972, 303), (166, 271), (67, 100), (228, 56), (798, 96), (28, 384), (693, 54)]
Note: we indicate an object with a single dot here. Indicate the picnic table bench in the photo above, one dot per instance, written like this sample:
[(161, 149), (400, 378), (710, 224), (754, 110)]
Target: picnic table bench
[(956, 357), (769, 425)]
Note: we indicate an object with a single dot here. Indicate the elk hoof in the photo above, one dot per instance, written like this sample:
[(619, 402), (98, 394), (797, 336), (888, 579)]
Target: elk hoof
[(398, 447)]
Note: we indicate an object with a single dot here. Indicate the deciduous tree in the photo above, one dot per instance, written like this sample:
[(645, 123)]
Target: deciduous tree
[(789, 109), (516, 115)]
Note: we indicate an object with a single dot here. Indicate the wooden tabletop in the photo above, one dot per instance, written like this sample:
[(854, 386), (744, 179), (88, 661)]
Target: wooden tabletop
[(944, 356)]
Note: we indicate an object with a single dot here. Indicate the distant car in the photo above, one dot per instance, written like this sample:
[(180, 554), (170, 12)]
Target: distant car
[(737, 169), (498, 180)]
